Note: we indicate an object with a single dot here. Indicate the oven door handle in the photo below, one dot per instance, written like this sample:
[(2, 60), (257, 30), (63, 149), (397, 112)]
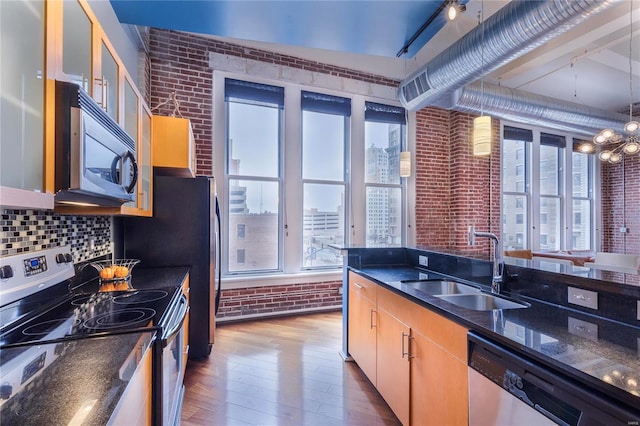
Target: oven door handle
[(179, 320)]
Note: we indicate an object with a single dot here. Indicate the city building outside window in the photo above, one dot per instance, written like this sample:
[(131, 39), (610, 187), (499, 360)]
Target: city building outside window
[(384, 140)]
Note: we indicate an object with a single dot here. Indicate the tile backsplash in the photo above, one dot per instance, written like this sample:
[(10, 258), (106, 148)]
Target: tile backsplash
[(32, 230)]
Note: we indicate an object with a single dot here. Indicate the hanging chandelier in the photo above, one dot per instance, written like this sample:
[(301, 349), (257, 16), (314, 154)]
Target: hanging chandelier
[(612, 144)]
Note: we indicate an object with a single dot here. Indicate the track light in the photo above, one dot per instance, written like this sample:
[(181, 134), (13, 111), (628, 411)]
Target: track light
[(454, 9)]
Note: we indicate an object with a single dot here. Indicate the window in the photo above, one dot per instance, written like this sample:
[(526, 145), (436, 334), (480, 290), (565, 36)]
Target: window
[(515, 175), (289, 190), (551, 151), (583, 203), (325, 124), (541, 210), (384, 140), (253, 172)]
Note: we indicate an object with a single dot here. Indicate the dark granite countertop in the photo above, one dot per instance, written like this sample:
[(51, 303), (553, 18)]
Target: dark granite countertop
[(607, 359), (86, 373), (89, 371)]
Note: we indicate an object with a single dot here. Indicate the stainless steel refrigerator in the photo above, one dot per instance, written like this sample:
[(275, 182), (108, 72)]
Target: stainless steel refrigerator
[(182, 232)]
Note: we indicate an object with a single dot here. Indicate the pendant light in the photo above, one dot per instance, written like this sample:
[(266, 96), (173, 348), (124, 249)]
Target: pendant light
[(482, 125)]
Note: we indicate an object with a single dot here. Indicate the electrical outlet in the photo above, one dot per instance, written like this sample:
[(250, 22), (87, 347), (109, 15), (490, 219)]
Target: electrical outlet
[(423, 260), (340, 290)]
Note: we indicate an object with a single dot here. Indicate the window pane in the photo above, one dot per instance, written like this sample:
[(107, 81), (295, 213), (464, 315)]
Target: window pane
[(551, 227), (514, 208), (581, 225), (253, 148), (580, 175), (323, 224), (253, 225), (323, 137), (514, 171), (384, 216), (549, 170), (382, 152)]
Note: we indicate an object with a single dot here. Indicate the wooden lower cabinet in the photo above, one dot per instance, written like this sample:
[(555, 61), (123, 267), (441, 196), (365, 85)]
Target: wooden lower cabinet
[(415, 357), (393, 366), (439, 391), (362, 328)]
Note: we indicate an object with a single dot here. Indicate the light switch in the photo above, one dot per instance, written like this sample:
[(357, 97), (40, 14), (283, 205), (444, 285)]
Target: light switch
[(581, 297)]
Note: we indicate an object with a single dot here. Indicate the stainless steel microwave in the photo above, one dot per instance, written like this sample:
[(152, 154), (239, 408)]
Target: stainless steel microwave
[(95, 158)]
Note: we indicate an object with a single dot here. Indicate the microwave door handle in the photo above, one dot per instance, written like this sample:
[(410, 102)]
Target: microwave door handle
[(134, 181)]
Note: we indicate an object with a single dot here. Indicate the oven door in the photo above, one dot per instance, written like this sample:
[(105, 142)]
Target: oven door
[(172, 365)]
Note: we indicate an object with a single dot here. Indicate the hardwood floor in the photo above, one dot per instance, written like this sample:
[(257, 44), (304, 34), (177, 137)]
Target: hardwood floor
[(283, 371)]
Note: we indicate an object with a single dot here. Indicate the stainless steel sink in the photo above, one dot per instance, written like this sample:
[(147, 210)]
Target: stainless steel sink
[(481, 301), (435, 287)]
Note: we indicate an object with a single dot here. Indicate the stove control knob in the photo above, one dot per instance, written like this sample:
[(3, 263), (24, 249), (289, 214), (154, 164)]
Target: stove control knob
[(60, 258), (68, 258), (6, 272)]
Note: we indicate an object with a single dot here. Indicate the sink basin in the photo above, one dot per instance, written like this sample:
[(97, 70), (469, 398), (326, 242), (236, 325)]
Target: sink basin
[(435, 287), (481, 302)]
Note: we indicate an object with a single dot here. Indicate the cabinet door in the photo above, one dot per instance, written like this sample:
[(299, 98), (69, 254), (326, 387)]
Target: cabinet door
[(22, 49), (393, 363), (362, 329), (439, 390), (107, 83), (439, 383), (145, 162), (77, 39)]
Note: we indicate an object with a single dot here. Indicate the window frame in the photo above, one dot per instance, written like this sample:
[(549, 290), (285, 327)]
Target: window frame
[(565, 194)]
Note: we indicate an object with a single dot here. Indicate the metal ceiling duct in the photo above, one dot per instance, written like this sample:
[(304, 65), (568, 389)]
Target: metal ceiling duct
[(516, 29), (524, 107)]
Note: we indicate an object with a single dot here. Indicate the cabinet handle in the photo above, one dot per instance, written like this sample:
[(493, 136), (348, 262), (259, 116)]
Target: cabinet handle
[(371, 324), (358, 285), (105, 94), (406, 352)]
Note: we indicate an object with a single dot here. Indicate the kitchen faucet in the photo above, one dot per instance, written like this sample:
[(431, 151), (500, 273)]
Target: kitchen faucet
[(496, 280)]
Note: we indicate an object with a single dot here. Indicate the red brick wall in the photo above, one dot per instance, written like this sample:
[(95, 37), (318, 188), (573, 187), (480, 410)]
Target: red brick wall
[(274, 299), (621, 206), (454, 189)]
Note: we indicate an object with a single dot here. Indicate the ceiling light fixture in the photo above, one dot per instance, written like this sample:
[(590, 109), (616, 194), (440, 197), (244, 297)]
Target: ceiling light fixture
[(614, 144), (482, 125), (454, 9)]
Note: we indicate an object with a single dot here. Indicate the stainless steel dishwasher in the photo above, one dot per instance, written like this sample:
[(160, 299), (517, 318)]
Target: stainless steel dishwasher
[(508, 389)]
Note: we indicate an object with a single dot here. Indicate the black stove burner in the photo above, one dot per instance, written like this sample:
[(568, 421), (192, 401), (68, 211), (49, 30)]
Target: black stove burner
[(45, 327), (140, 297), (120, 318), (92, 299)]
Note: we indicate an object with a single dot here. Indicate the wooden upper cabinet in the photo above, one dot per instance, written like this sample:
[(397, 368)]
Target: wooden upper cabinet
[(22, 116), (174, 145)]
